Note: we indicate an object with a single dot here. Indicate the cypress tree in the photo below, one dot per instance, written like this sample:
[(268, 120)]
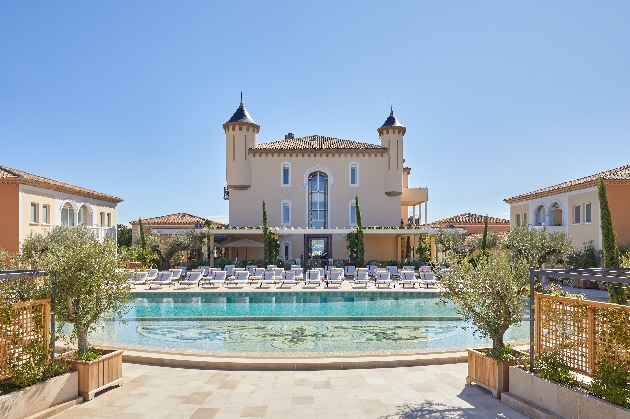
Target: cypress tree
[(612, 258), (271, 244), (360, 262), (408, 248), (484, 239), (143, 239)]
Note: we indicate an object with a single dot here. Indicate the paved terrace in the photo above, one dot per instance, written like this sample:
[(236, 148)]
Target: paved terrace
[(434, 391)]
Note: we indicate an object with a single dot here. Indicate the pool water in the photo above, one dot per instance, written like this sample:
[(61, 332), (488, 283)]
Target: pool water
[(270, 324)]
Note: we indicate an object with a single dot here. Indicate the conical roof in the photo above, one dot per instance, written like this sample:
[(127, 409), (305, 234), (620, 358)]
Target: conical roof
[(391, 121), (241, 115)]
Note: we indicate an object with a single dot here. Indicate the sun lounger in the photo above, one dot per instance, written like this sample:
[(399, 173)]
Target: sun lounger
[(313, 277), (288, 277), (277, 274), (138, 278), (372, 270), (257, 274), (217, 278), (177, 273), (268, 278), (349, 271), (229, 269), (250, 269), (408, 278), (183, 273), (151, 275), (361, 277), (383, 278), (393, 270), (241, 278), (335, 277), (409, 268), (427, 278), (192, 278), (163, 278), (271, 267), (299, 274)]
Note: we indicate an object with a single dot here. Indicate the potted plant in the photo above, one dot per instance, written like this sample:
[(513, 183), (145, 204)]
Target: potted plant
[(88, 285), (489, 292)]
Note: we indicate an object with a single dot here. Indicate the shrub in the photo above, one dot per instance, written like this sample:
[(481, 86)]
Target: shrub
[(610, 381), (551, 366)]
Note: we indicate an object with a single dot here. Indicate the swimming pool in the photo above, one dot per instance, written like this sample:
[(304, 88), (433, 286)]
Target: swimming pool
[(307, 324)]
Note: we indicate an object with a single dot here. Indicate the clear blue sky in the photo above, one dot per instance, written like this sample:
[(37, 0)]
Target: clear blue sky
[(499, 98)]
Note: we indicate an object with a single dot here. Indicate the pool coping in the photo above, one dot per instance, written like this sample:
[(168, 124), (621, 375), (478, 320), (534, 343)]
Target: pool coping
[(167, 359)]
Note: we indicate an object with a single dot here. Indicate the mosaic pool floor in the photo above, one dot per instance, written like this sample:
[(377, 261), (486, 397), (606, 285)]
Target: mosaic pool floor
[(301, 337)]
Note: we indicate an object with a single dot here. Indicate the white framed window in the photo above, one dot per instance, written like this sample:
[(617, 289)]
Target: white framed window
[(576, 214), (45, 214), (285, 213), (353, 213), (354, 174), (587, 213), (518, 220), (34, 213), (524, 218), (109, 219), (102, 219), (285, 174)]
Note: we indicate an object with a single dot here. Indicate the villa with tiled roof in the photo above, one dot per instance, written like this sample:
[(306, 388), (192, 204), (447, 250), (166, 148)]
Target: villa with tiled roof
[(473, 223), (573, 207), (309, 185), (174, 223), (31, 203)]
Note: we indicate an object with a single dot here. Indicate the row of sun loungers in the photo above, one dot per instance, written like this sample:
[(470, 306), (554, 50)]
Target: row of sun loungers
[(205, 275)]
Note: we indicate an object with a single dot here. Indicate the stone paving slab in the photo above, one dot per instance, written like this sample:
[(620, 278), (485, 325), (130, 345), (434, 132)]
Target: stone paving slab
[(432, 391)]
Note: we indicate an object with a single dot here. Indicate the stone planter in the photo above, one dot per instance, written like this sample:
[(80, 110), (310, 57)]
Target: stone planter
[(99, 374), (488, 373), (539, 398), (46, 399)]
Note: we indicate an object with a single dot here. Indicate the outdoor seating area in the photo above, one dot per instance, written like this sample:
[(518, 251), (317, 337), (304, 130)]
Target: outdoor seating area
[(272, 276)]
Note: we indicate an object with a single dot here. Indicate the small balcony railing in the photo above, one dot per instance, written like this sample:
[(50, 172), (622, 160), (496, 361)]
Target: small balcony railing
[(226, 193)]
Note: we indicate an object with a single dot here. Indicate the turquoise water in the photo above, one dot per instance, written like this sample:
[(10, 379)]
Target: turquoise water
[(291, 305), (293, 323)]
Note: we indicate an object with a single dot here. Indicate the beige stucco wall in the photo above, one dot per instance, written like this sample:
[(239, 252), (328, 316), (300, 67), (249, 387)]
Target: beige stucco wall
[(519, 209), (41, 198), (381, 247), (374, 178), (582, 233)]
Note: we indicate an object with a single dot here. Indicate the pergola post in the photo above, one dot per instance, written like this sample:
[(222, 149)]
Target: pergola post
[(211, 250)]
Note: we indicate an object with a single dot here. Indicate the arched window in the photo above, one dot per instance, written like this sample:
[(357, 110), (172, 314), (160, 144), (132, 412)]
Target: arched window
[(317, 200), (555, 215), (84, 216), (539, 215), (67, 215)]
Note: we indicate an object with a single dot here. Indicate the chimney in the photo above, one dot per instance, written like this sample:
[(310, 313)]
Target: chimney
[(289, 136)]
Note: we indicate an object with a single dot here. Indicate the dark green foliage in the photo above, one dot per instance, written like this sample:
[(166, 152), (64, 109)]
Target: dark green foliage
[(587, 257), (354, 241), (143, 239), (423, 250), (139, 255), (270, 241), (484, 239), (551, 366), (221, 262), (610, 381), (612, 257), (123, 235), (507, 353), (408, 248)]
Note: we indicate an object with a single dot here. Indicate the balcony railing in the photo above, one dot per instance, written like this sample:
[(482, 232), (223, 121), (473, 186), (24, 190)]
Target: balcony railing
[(102, 233), (226, 193)]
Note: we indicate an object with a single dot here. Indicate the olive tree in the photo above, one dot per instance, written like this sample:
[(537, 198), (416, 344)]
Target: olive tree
[(538, 246), (489, 292), (89, 284)]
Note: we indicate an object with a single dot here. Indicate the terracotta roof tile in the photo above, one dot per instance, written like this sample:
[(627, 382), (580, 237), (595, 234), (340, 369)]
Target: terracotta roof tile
[(8, 175), (316, 142), (618, 175), (181, 218), (469, 219)]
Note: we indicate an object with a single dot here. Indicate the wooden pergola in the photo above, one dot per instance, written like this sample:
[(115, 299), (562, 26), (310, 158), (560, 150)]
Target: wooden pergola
[(616, 275)]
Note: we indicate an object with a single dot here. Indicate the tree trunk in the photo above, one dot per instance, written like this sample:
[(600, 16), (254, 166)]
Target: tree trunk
[(497, 343), (84, 346)]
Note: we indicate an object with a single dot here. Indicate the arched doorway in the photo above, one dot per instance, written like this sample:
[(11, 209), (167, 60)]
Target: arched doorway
[(555, 215), (539, 216), (84, 216)]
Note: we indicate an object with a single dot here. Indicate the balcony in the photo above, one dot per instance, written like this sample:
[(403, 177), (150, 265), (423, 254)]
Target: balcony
[(226, 193), (102, 233), (414, 196), (551, 229)]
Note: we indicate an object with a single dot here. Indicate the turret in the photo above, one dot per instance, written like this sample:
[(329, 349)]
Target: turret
[(391, 134), (241, 134)]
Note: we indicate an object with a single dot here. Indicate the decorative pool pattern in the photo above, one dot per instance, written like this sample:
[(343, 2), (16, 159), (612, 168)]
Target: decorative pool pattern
[(295, 324)]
